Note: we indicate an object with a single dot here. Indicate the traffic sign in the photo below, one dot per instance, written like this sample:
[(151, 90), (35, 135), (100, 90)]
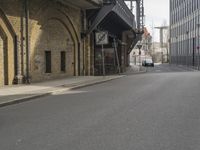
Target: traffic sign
[(101, 38)]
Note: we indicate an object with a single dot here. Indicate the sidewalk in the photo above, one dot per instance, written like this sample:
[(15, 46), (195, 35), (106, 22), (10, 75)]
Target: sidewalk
[(20, 93), (185, 68), (135, 69)]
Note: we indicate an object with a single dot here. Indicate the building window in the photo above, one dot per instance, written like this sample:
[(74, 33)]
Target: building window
[(48, 61), (63, 61)]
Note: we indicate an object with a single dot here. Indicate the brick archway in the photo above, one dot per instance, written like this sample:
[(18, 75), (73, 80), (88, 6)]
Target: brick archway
[(49, 11), (7, 51), (53, 26), (56, 37), (3, 58)]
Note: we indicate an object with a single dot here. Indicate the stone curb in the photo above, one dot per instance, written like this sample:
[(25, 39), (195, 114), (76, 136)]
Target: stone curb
[(95, 83), (23, 99), (138, 72), (29, 98)]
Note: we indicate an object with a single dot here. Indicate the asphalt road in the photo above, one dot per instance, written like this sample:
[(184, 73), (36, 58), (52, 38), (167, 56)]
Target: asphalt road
[(164, 68), (153, 111)]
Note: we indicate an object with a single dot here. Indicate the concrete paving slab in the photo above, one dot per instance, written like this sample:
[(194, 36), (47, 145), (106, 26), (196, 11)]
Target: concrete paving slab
[(17, 94)]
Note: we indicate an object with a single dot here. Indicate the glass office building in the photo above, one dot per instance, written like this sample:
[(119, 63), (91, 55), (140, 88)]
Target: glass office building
[(184, 32)]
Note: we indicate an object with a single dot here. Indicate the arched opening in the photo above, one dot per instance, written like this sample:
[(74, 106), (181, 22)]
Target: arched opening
[(3, 58), (55, 42), (7, 51), (53, 11), (55, 46)]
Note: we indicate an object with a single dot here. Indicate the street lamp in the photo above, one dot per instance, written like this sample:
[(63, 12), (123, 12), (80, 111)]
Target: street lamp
[(176, 50), (198, 25), (187, 33), (139, 46), (170, 51)]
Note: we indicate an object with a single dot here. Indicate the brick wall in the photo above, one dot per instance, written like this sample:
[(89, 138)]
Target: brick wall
[(55, 41), (7, 46), (52, 26)]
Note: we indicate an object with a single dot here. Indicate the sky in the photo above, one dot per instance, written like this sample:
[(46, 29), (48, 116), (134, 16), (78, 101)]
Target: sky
[(156, 14)]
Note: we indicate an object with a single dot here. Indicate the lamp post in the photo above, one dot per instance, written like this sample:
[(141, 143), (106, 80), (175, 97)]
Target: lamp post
[(198, 48), (176, 50), (169, 51), (187, 33), (168, 44), (139, 45)]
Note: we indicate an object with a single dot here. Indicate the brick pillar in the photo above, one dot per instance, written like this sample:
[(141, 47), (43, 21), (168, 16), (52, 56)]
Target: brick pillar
[(19, 77), (92, 54), (1, 63), (124, 51)]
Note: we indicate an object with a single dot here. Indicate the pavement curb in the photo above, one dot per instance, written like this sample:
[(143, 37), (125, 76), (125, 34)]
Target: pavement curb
[(24, 99), (135, 73), (66, 88), (95, 83), (140, 72)]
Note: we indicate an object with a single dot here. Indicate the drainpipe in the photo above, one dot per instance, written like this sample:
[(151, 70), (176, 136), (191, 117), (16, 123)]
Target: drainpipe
[(22, 39), (16, 66), (26, 2)]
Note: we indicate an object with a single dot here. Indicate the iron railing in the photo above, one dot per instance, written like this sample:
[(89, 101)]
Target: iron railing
[(125, 13), (117, 6)]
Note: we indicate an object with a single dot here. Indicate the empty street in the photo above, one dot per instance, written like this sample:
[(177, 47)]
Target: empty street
[(151, 111)]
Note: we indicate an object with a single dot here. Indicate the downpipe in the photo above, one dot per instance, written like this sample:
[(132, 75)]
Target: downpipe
[(27, 78)]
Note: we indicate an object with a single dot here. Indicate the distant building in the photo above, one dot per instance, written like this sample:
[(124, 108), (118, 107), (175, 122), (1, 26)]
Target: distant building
[(145, 51), (160, 54), (184, 32), (146, 41)]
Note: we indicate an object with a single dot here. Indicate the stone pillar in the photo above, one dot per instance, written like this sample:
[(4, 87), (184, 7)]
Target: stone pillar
[(87, 51), (19, 77), (123, 52), (92, 53), (1, 63), (123, 58)]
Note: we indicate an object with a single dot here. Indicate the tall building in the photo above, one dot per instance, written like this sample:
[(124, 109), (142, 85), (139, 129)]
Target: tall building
[(184, 32)]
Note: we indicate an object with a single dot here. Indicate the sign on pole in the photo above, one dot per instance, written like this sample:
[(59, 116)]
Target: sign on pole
[(101, 38)]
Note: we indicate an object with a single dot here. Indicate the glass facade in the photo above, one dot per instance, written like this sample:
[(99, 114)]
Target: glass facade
[(184, 32)]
